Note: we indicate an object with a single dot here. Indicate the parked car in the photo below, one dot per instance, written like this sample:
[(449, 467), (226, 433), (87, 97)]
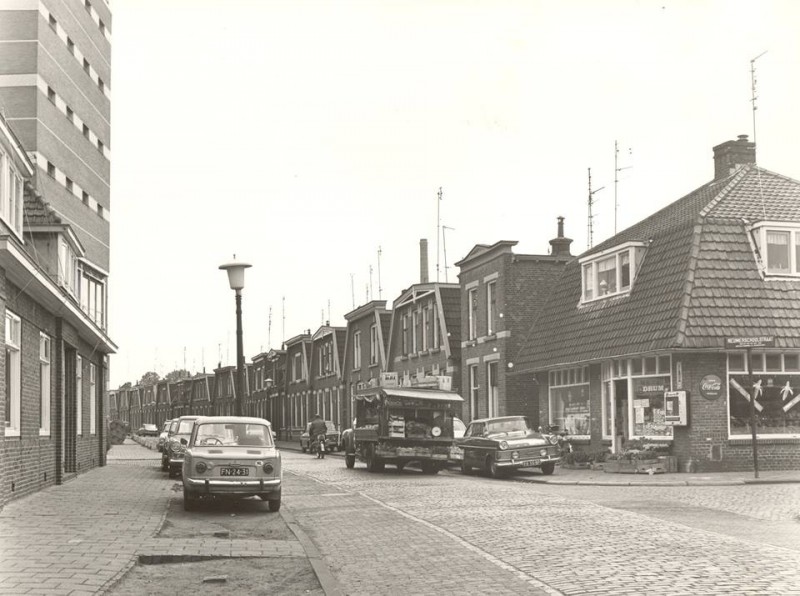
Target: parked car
[(162, 436), (456, 452), (231, 456), (147, 430), (332, 438), (501, 445), (176, 445)]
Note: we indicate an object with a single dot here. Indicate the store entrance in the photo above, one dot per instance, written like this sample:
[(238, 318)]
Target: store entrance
[(621, 414)]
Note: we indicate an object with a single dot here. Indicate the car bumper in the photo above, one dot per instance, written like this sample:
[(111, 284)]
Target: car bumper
[(526, 463), (175, 461), (233, 487)]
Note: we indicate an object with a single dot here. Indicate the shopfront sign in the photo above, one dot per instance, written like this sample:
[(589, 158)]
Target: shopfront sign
[(754, 341), (676, 411), (711, 387)]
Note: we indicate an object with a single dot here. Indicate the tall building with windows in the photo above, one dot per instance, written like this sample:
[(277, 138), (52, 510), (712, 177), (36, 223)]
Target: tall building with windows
[(55, 93)]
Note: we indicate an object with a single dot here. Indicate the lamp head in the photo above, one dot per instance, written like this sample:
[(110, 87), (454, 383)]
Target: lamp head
[(235, 271)]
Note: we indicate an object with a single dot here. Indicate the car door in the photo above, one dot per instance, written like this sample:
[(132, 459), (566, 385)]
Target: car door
[(471, 435)]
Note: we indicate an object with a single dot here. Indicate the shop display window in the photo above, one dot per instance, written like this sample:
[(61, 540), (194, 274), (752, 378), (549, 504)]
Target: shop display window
[(569, 400), (648, 407)]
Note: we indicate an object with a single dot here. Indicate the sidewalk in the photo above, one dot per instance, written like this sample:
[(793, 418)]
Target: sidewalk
[(599, 478), (80, 537)]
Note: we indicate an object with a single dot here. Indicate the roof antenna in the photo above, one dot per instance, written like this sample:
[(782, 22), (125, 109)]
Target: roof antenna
[(444, 249), (617, 170), (755, 145), (591, 202), (380, 289), (438, 229)]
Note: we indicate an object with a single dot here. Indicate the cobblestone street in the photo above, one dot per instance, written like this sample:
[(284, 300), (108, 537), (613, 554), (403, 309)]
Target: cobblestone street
[(434, 534)]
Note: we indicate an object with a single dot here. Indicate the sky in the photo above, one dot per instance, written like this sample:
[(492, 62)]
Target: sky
[(311, 139)]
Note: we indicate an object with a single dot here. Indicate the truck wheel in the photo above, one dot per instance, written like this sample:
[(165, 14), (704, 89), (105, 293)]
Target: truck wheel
[(430, 467), (492, 469), (548, 467), (374, 463), (350, 460)]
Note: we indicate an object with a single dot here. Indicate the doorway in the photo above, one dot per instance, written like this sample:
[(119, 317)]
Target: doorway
[(621, 422)]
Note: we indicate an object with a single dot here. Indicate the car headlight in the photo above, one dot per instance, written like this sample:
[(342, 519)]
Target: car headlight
[(515, 455), (543, 453), (553, 439), (503, 445), (201, 467), (268, 468)]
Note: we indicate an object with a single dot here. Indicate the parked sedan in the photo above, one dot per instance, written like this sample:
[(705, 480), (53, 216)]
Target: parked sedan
[(501, 445), (231, 456), (332, 438), (147, 430), (164, 434), (176, 446)]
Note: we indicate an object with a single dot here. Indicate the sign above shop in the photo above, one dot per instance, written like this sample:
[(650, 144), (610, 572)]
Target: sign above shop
[(711, 387), (755, 341)]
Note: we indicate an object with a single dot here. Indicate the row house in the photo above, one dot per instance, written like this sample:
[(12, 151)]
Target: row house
[(268, 372), (501, 293), (680, 328), (298, 384), (54, 338), (327, 389), (364, 361)]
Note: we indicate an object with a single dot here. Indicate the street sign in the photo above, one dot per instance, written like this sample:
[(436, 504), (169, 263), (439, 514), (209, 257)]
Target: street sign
[(755, 341)]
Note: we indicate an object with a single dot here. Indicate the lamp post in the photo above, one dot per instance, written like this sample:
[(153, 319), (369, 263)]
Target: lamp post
[(235, 271)]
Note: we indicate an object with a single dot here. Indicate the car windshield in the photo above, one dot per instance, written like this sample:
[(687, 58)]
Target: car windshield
[(233, 434), (506, 427), (184, 427)]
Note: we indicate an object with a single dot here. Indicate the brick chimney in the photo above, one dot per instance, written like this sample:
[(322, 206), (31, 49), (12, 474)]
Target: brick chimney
[(559, 246), (423, 260), (731, 155)]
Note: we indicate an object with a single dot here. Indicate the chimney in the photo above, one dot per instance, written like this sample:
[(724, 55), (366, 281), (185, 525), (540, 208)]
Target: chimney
[(731, 155), (423, 260), (559, 246)]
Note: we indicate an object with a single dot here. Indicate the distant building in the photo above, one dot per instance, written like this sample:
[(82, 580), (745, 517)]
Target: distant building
[(327, 389), (638, 338), (298, 384)]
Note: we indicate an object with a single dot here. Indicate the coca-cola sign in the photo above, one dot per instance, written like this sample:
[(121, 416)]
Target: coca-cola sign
[(711, 387)]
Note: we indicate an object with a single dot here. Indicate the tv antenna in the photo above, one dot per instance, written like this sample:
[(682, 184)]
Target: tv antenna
[(617, 170), (353, 290), (269, 329), (754, 97), (380, 289), (444, 249), (438, 228), (591, 202)]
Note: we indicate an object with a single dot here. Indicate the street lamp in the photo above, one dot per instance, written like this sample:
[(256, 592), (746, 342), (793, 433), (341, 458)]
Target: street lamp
[(235, 271)]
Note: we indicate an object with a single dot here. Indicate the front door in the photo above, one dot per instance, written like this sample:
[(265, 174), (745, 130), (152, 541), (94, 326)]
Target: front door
[(620, 414)]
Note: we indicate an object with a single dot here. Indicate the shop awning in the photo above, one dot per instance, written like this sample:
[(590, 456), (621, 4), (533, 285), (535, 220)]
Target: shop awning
[(408, 393)]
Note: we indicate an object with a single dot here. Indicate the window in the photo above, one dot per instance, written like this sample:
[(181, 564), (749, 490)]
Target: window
[(44, 384), (78, 395), (473, 391), (373, 344), (86, 65), (92, 295), (69, 184), (492, 392), (71, 46), (491, 308), (67, 266), (426, 326), (357, 349), (100, 84), (13, 373), (405, 335), (100, 145), (297, 368), (51, 95), (435, 329), (569, 400), (93, 399), (51, 170), (414, 334), (86, 131), (85, 197), (100, 210), (472, 313), (52, 21), (11, 189), (610, 273), (779, 248)]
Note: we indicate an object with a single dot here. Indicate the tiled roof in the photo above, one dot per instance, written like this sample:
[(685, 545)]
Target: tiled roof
[(36, 211), (697, 284)]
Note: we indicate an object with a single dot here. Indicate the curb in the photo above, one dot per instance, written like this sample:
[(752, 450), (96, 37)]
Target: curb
[(326, 579)]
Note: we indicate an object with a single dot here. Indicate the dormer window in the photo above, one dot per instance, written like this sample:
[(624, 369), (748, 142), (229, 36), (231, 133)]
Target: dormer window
[(778, 246), (11, 186), (611, 272), (67, 266)]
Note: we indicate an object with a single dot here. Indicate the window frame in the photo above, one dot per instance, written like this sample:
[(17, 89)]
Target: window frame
[(373, 344), (45, 382), (590, 271), (356, 350), (491, 307), (472, 314), (13, 340), (759, 234), (78, 395)]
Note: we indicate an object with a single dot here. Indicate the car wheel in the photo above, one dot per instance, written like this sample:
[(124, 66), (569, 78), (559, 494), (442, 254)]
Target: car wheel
[(302, 448), (189, 500), (465, 468), (164, 465), (172, 473), (350, 460), (275, 505), (374, 463), (492, 469), (548, 467), (429, 467)]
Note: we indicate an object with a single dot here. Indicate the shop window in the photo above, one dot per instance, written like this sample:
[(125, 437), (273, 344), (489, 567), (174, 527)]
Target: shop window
[(664, 364), (636, 366), (648, 407), (791, 362), (774, 362), (736, 362), (569, 400), (650, 366), (756, 361)]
